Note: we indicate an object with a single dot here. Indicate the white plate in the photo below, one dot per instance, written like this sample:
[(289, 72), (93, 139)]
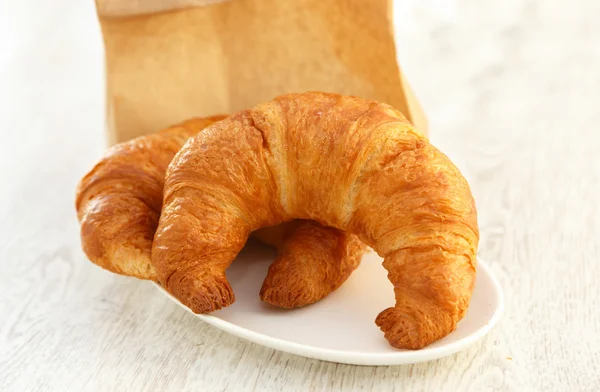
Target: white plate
[(341, 327)]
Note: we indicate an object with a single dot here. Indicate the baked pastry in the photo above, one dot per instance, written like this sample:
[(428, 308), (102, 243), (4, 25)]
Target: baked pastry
[(312, 261), (119, 202), (345, 162)]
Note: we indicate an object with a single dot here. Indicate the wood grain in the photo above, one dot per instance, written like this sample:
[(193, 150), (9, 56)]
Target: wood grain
[(510, 97)]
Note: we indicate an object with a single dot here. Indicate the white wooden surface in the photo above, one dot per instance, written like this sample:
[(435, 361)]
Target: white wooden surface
[(512, 90)]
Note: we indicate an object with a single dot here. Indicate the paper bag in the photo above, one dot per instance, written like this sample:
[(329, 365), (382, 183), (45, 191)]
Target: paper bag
[(169, 60)]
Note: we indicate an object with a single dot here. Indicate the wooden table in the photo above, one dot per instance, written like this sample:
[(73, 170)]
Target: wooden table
[(512, 90)]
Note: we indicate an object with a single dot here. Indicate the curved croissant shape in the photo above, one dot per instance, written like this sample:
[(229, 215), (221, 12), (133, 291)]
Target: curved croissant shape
[(346, 162), (119, 203)]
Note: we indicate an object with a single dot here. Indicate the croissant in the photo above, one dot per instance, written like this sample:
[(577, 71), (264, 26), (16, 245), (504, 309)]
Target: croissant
[(312, 261), (119, 203), (346, 162)]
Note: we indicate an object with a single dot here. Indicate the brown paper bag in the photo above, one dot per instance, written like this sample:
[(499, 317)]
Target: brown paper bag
[(169, 60)]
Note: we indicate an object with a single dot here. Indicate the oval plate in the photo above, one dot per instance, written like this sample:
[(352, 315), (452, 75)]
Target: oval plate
[(341, 327)]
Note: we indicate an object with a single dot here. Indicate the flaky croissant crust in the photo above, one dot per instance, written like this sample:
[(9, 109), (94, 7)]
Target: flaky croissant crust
[(345, 162), (119, 201)]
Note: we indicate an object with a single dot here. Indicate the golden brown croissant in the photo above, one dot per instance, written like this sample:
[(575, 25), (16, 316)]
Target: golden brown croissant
[(312, 261), (119, 203), (346, 162)]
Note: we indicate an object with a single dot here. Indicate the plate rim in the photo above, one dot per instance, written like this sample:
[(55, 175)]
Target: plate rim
[(356, 357)]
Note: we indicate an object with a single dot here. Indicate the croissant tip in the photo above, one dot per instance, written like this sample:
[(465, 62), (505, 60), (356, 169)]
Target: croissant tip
[(286, 298), (206, 295), (399, 330)]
